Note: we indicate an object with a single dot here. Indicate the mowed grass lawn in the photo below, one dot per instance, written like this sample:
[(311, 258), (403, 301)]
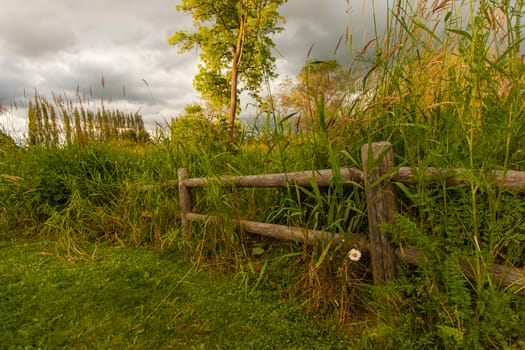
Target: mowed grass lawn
[(116, 297)]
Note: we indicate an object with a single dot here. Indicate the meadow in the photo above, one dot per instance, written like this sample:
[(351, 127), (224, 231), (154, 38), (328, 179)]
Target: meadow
[(91, 240)]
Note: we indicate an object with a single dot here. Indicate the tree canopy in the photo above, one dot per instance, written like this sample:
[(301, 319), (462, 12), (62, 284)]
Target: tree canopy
[(322, 85), (234, 37)]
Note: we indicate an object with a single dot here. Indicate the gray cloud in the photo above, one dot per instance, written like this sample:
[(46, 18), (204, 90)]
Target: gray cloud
[(32, 29), (59, 45)]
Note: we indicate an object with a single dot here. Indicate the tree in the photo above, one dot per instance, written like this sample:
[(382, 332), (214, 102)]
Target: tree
[(322, 85), (234, 38)]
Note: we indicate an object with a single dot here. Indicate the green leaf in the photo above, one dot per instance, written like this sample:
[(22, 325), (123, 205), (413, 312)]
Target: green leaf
[(258, 251)]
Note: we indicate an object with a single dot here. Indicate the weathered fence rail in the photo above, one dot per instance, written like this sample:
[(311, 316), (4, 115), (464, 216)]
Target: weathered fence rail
[(377, 177), (300, 178), (509, 180)]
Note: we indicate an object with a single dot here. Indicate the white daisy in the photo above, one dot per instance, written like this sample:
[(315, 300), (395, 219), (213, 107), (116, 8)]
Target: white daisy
[(354, 254)]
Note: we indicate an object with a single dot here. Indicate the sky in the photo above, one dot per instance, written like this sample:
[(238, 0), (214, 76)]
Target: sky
[(59, 46)]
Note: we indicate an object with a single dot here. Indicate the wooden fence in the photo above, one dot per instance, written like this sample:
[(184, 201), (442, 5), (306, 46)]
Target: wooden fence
[(377, 176)]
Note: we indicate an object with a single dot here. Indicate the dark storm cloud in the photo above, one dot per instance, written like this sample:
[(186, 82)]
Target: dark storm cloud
[(61, 45), (321, 30), (314, 25)]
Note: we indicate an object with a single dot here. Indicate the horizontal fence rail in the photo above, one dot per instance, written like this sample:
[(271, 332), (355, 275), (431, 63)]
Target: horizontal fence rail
[(297, 234), (301, 178), (509, 180), (377, 178)]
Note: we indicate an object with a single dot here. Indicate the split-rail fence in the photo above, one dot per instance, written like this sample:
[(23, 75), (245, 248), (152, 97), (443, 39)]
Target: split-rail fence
[(377, 176)]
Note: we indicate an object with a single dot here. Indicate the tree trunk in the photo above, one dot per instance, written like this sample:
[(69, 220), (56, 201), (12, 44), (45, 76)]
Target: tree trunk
[(237, 53)]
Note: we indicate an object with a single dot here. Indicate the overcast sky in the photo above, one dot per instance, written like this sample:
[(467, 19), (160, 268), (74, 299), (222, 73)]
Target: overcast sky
[(59, 45)]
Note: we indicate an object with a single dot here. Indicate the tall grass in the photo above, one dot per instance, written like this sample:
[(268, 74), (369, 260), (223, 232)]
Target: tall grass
[(447, 84), (65, 121)]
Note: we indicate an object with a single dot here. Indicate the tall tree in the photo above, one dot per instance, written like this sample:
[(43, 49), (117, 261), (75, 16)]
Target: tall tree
[(235, 41)]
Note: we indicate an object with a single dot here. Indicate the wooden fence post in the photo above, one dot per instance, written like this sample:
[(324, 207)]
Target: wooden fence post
[(185, 201), (382, 206)]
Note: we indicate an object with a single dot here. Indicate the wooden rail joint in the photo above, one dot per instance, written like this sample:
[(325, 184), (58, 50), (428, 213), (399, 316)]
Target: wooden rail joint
[(378, 161)]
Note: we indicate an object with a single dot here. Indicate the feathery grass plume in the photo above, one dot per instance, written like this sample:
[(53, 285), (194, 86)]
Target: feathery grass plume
[(31, 124), (79, 136), (2, 108), (78, 123)]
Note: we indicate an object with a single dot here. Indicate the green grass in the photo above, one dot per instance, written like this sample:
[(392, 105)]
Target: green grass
[(136, 298)]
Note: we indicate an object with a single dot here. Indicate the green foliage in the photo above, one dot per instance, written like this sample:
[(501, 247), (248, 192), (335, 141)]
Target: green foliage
[(235, 43), (194, 129), (324, 84), (454, 92), (451, 98), (217, 25), (117, 297), (77, 193), (52, 176), (6, 140)]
